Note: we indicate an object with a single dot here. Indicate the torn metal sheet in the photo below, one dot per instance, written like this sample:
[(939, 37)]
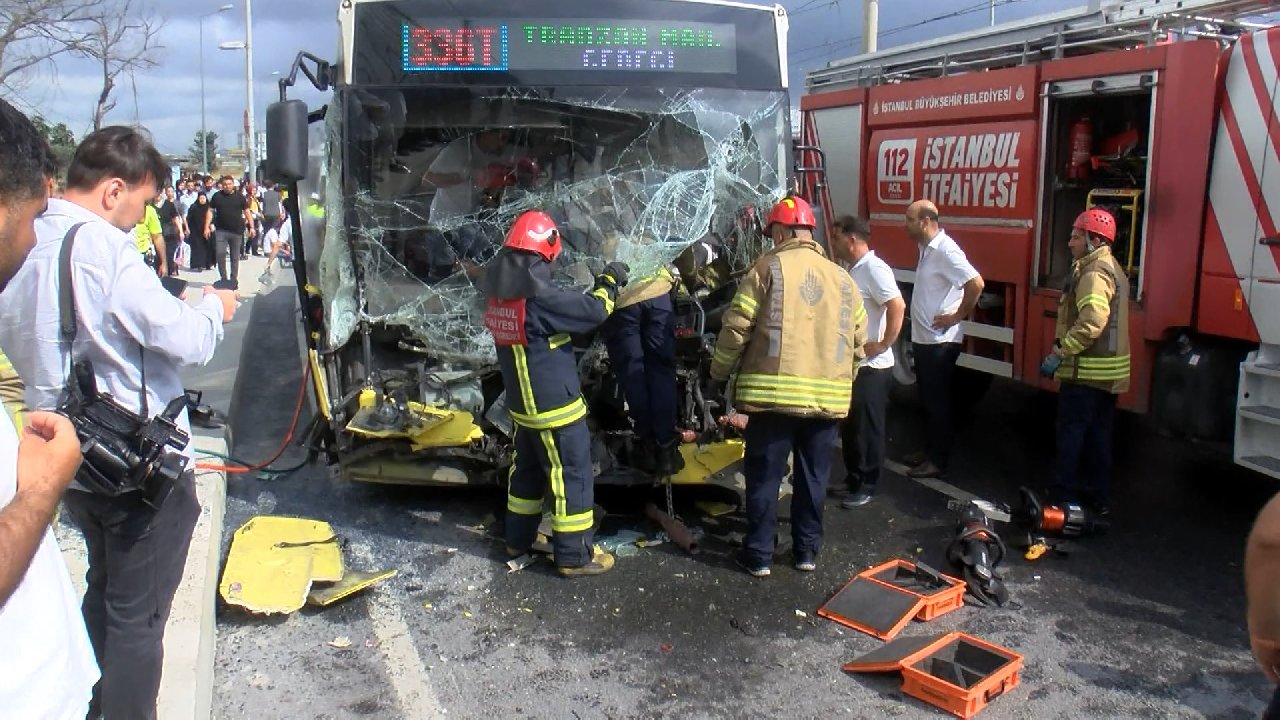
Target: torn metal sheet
[(350, 584), (421, 425), (705, 460), (274, 560)]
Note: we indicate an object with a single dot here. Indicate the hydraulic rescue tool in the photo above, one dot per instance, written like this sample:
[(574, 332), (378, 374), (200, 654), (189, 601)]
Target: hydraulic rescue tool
[(977, 549)]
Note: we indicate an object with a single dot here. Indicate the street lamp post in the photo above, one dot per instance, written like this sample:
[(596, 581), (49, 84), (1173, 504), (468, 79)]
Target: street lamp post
[(204, 141), (247, 46)]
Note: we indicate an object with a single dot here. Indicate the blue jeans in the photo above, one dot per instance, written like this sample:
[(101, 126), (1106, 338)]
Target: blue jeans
[(770, 438)]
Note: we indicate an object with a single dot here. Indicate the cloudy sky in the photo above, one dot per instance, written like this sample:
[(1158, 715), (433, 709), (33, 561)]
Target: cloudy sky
[(167, 98)]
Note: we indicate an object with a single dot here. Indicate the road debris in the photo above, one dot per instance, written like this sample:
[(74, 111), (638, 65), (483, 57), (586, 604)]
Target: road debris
[(801, 613), (341, 642), (666, 647), (715, 509), (520, 563)]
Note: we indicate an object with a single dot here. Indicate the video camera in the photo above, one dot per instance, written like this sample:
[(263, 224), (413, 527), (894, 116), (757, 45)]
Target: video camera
[(123, 451)]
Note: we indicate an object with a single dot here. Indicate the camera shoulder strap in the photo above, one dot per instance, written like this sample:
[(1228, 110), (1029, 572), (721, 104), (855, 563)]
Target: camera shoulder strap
[(66, 297), (67, 326)]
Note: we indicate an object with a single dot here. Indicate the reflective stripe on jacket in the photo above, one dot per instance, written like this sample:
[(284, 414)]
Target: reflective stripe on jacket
[(1093, 324), (798, 326), (535, 352)]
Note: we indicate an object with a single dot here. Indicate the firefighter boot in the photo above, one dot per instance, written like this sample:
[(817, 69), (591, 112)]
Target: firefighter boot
[(601, 562), (670, 461)]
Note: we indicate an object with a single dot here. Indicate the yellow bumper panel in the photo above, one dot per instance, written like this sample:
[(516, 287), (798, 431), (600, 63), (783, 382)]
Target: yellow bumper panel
[(700, 463), (354, 582), (274, 560), (426, 427)]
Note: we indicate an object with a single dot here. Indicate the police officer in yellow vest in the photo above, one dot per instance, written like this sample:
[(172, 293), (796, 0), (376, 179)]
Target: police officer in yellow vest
[(796, 329), (1090, 359), (640, 336)]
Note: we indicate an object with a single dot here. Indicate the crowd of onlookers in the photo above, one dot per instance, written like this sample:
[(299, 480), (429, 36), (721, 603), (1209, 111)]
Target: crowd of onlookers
[(205, 224)]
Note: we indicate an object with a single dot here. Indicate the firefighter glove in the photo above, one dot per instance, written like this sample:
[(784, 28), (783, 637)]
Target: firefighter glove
[(617, 273), (1050, 364)]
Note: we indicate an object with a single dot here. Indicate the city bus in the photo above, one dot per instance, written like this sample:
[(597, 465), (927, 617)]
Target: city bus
[(640, 127)]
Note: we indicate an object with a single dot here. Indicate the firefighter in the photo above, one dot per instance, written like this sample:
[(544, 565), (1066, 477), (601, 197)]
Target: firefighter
[(1090, 359), (531, 321), (640, 336), (796, 329)]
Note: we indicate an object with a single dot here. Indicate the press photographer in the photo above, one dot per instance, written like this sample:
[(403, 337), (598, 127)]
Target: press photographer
[(134, 335)]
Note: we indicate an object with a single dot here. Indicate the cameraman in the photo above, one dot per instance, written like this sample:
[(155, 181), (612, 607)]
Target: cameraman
[(137, 336), (47, 668)]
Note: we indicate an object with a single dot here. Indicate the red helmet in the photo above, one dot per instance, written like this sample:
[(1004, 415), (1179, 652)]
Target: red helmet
[(792, 212), (1097, 221), (534, 231)]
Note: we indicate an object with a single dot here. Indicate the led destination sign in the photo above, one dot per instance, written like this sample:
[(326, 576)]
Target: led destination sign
[(570, 44)]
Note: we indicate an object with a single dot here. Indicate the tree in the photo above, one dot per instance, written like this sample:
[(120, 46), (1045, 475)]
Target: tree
[(122, 40), (210, 142), (60, 139), (34, 32)]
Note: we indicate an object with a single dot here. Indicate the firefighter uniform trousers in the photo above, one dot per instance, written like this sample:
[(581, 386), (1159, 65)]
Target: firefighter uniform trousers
[(770, 439), (560, 460), (642, 348), (552, 444)]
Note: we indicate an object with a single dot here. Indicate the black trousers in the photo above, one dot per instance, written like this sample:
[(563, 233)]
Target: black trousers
[(225, 244), (1085, 418), (935, 373), (862, 433), (136, 558)]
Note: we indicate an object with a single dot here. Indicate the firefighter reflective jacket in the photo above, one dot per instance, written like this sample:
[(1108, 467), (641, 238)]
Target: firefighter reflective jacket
[(1093, 324), (686, 275), (535, 352), (798, 326)]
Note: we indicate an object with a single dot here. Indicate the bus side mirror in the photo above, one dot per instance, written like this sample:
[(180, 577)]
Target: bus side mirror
[(287, 141)]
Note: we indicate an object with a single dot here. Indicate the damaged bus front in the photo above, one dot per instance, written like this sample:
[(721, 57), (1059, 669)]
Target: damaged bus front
[(639, 127)]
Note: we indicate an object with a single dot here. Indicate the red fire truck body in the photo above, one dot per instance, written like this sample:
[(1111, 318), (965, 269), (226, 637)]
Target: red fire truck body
[(1179, 139)]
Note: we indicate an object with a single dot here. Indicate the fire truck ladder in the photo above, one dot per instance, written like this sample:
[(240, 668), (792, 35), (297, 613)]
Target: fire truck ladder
[(1101, 25)]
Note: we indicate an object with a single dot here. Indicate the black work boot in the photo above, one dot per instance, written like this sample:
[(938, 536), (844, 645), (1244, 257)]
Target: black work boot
[(670, 461)]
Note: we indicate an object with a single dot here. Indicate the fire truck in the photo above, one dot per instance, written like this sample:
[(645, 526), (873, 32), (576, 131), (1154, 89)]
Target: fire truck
[(1163, 113)]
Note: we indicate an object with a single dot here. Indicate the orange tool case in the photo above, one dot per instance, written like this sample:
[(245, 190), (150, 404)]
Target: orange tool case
[(881, 600), (956, 672)]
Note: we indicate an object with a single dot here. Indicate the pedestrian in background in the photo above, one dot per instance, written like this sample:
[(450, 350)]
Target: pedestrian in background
[(946, 291), (227, 221), (136, 336), (47, 666), (1090, 360), (201, 245), (798, 326), (171, 223), (863, 432), (148, 237)]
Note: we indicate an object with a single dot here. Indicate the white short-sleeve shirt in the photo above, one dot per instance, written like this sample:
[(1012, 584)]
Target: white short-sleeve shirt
[(47, 668), (878, 286), (940, 277)]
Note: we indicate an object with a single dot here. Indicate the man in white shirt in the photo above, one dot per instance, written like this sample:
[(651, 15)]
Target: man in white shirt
[(862, 433), (47, 668), (137, 336), (946, 290)]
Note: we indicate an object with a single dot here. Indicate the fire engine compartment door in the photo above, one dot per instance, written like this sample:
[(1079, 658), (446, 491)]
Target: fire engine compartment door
[(1263, 62), (840, 135)]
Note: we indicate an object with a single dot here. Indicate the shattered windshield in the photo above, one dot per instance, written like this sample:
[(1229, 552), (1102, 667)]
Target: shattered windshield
[(432, 178)]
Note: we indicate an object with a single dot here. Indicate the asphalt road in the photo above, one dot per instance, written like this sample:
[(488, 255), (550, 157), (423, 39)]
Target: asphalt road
[(1146, 621)]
